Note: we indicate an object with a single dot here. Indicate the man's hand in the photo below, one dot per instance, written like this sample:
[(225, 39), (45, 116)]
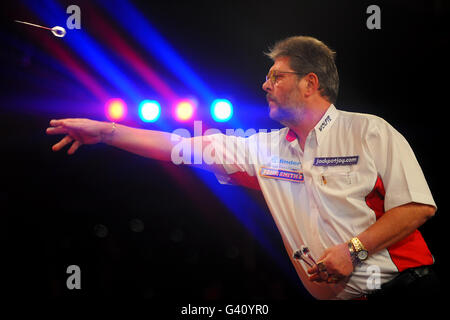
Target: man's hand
[(334, 265), (78, 131)]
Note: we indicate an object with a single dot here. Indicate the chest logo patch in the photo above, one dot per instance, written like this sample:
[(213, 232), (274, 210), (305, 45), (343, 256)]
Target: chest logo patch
[(282, 174), (335, 161)]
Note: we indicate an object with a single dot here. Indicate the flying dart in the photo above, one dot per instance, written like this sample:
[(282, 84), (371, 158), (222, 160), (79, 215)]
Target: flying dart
[(56, 30)]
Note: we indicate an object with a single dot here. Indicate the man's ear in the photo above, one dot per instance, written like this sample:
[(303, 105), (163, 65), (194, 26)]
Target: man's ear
[(311, 83)]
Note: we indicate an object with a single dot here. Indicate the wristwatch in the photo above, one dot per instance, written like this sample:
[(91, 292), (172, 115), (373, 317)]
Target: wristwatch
[(358, 252)]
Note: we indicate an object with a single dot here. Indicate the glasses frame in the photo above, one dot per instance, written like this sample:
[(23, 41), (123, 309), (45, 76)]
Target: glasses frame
[(272, 75)]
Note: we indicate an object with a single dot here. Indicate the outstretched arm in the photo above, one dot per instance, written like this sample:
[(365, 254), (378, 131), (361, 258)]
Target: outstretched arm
[(147, 143)]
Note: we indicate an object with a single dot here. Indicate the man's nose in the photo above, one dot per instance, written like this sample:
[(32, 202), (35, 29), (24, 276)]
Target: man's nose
[(267, 85)]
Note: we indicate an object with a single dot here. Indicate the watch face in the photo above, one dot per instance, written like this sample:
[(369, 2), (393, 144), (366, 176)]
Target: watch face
[(362, 255)]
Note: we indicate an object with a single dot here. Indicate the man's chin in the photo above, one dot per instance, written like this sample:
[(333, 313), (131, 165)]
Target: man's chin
[(274, 113), (278, 115)]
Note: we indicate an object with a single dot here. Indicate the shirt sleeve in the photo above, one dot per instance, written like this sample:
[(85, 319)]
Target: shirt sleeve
[(396, 164), (234, 154)]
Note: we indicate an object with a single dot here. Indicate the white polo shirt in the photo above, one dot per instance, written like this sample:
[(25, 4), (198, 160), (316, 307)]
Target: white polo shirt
[(353, 168)]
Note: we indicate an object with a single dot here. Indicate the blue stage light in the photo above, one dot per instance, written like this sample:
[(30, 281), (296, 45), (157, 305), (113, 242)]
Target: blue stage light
[(149, 110), (221, 110)]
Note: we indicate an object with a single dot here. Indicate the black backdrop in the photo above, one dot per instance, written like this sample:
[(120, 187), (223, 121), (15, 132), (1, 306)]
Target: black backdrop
[(135, 232)]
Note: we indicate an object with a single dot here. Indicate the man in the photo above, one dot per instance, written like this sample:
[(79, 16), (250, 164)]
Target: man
[(345, 189)]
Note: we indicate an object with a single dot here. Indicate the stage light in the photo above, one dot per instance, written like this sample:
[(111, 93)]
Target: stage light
[(149, 110), (184, 110), (116, 109), (221, 110)]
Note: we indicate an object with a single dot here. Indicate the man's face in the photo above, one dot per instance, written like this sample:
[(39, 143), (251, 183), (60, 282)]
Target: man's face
[(284, 93)]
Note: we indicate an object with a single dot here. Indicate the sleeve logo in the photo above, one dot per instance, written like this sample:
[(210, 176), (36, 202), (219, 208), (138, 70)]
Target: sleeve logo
[(294, 176)]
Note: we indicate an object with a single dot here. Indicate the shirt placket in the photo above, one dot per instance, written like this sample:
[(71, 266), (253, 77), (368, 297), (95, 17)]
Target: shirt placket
[(309, 152)]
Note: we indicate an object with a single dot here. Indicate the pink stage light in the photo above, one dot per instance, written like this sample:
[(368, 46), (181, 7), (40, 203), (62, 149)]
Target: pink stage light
[(184, 110), (116, 109)]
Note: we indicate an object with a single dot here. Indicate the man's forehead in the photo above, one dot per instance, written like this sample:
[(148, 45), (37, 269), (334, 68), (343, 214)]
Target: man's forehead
[(281, 63)]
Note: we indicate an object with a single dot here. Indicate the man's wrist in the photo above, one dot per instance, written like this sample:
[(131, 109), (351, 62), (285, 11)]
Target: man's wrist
[(358, 252), (107, 132)]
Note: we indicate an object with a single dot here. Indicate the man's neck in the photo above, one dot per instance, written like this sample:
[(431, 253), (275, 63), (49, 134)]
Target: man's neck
[(308, 119)]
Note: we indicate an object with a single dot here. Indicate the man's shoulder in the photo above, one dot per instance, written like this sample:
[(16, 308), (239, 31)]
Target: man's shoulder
[(252, 136), (278, 133), (362, 120), (359, 116)]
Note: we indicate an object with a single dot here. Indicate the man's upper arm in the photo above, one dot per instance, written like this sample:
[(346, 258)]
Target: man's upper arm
[(396, 164)]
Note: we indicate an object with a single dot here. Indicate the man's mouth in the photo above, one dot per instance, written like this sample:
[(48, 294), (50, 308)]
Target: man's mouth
[(270, 99)]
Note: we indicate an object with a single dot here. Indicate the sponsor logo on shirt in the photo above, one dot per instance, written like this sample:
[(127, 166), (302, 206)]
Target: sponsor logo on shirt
[(278, 162), (325, 123), (294, 176), (335, 161)]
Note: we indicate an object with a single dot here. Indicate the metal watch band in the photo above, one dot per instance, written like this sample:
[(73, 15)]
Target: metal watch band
[(353, 254), (357, 244)]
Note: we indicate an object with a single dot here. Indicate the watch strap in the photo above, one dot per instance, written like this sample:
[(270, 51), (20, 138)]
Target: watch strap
[(355, 246)]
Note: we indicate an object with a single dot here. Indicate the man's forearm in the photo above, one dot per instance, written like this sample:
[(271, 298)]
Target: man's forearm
[(148, 143), (157, 145), (395, 225)]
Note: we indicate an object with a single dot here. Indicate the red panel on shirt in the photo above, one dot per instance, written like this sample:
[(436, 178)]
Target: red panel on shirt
[(410, 252), (291, 136), (243, 179)]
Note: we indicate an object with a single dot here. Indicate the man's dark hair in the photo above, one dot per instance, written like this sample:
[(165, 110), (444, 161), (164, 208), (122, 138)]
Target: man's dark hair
[(308, 54)]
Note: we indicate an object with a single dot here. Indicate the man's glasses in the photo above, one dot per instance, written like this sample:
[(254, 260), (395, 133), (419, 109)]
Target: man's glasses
[(275, 74)]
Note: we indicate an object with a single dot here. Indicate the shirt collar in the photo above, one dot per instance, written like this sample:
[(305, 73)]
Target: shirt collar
[(325, 123), (322, 126), (291, 136)]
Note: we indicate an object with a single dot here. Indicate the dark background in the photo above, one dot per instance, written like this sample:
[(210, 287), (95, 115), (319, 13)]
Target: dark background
[(136, 231)]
